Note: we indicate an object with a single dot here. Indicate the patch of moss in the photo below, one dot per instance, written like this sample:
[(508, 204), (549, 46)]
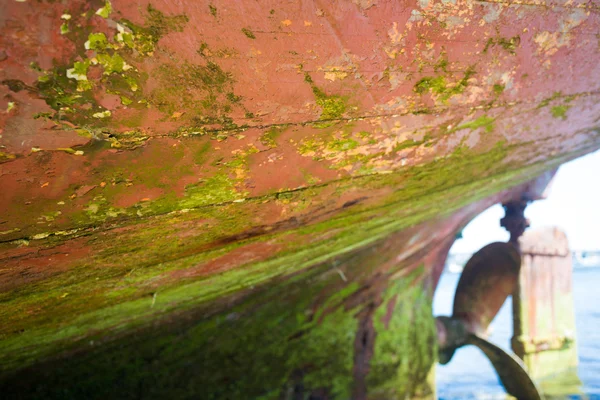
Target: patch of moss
[(434, 84), (442, 63), (406, 144), (15, 85), (405, 333), (342, 144), (560, 111), (204, 91), (439, 86), (200, 155), (111, 64), (5, 157), (482, 122), (213, 10), (105, 11), (309, 178), (508, 44), (64, 28), (143, 39), (214, 190), (269, 137), (249, 34), (159, 24), (99, 210), (67, 88), (126, 139), (68, 96), (310, 146), (498, 89), (96, 41), (332, 106), (233, 98), (547, 101), (139, 39)]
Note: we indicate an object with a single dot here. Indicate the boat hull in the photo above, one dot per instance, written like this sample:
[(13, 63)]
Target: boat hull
[(244, 200), (358, 325)]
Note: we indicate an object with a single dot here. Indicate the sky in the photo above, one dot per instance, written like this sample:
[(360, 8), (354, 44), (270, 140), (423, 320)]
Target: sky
[(572, 205)]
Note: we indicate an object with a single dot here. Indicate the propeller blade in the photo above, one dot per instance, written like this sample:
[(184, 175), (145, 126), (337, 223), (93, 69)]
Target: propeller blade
[(510, 370), (451, 334), (445, 355), (488, 278)]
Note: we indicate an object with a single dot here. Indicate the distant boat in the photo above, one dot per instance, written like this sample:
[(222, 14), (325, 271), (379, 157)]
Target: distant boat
[(456, 262), (587, 259), (454, 268)]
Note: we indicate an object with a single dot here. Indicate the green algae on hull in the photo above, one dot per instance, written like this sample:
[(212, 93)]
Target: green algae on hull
[(310, 334), (332, 106), (248, 33), (159, 24), (68, 89), (124, 288), (508, 44), (405, 333), (560, 111), (269, 137), (439, 86), (424, 188), (204, 91), (481, 122)]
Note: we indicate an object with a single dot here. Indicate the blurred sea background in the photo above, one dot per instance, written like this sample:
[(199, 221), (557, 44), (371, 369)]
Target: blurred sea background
[(470, 375)]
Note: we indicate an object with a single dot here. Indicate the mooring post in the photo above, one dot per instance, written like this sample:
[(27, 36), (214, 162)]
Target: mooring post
[(543, 311)]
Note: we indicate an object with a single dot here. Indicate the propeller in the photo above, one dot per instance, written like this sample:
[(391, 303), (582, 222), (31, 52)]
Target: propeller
[(487, 280)]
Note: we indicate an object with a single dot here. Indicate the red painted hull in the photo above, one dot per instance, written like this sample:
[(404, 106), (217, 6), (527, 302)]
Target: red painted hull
[(302, 166)]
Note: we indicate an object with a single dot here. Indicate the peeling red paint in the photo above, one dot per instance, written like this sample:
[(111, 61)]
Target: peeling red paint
[(276, 118)]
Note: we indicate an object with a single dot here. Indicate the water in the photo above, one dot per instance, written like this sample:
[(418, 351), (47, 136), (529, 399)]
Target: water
[(471, 376)]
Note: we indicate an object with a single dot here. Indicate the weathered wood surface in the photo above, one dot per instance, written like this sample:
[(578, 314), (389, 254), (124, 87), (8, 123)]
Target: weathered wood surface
[(197, 162)]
